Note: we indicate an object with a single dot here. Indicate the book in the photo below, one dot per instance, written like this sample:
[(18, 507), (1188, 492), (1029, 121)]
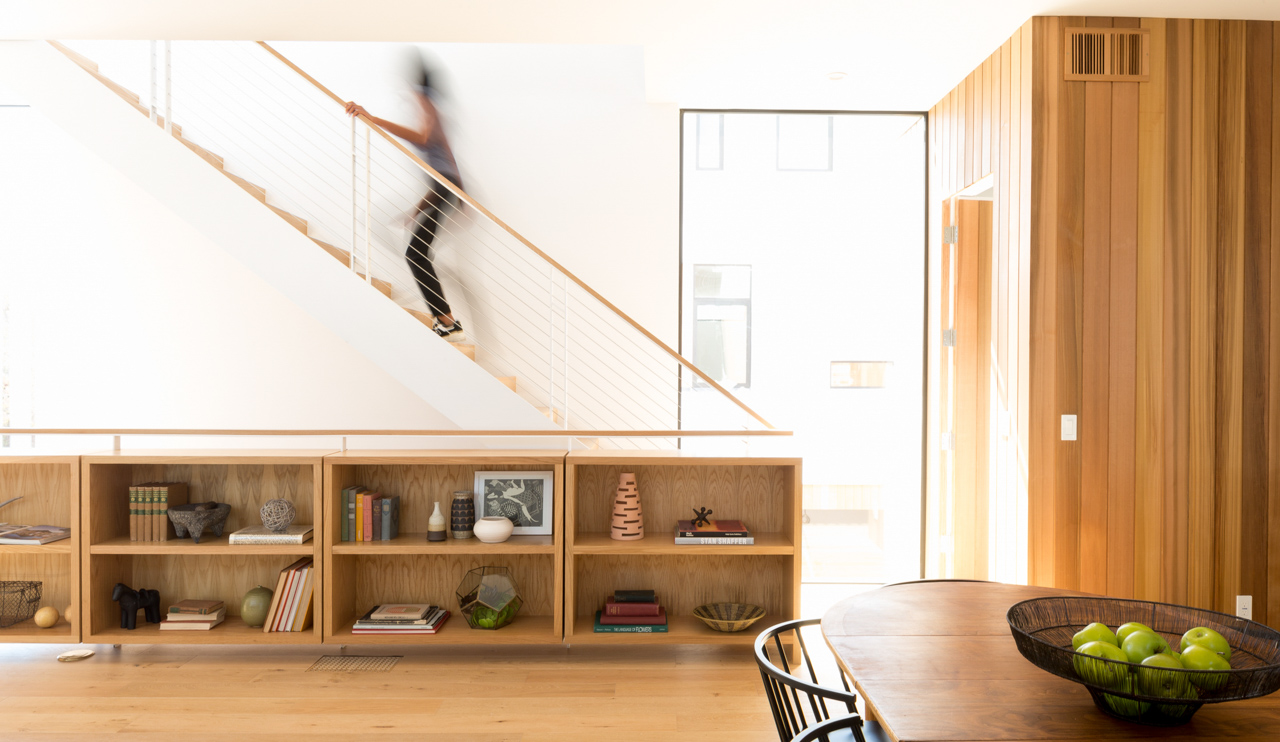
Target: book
[(173, 494), (294, 594), (614, 608), (390, 517), (144, 513), (658, 620), (35, 535), (278, 597), (302, 616), (716, 528), (342, 514), (438, 621), (377, 520), (431, 617), (261, 535), (715, 541), (168, 625), (217, 615), (409, 611), (133, 513), (601, 628), (368, 514), (634, 596), (359, 514), (196, 606)]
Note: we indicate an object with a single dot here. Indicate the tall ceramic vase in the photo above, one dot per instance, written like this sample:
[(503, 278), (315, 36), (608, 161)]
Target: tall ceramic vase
[(462, 514), (628, 518)]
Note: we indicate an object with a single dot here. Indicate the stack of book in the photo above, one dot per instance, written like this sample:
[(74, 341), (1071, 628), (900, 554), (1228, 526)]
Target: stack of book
[(149, 505), (194, 615), (32, 535), (291, 602), (260, 535), (369, 516), (401, 618), (714, 533), (631, 612)]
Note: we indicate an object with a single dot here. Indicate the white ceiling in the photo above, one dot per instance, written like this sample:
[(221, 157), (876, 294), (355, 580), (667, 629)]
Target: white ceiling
[(898, 54)]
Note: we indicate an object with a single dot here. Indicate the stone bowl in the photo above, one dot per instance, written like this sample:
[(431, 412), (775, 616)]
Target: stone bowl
[(199, 516)]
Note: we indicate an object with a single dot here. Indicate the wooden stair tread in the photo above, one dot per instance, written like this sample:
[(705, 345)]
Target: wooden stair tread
[(342, 256), (205, 154), (379, 284), (509, 381), (254, 189), (76, 56), (296, 222)]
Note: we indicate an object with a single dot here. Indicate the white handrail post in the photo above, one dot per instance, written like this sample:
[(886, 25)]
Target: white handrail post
[(565, 376), (551, 345), (152, 101), (351, 258), (368, 197), (168, 88)]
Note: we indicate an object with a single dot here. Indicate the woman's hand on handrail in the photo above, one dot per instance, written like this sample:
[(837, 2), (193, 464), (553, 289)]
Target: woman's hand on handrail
[(355, 109)]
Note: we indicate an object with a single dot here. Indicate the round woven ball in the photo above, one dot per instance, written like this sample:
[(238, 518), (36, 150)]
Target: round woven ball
[(278, 515)]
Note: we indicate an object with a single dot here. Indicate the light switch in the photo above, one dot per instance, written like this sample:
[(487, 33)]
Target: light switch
[(1068, 427)]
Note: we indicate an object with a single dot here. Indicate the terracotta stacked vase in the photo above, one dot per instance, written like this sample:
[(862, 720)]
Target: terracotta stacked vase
[(462, 514), (628, 519)]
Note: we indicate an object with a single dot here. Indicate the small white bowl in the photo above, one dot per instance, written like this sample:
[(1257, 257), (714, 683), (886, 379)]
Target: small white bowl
[(493, 529)]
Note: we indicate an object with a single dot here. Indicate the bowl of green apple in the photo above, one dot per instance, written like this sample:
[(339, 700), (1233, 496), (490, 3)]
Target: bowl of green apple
[(1144, 662)]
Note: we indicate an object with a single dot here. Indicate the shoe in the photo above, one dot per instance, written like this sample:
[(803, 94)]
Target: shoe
[(453, 333)]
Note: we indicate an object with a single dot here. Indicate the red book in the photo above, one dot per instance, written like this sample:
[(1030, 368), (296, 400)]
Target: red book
[(368, 514), (658, 620), (631, 609)]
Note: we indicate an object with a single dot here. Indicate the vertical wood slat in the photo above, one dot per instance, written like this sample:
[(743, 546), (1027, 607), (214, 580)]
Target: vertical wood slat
[(1175, 350), (1042, 456), (1095, 350), (968, 354), (990, 106), (1122, 335), (1257, 314), (1070, 299), (1024, 105), (983, 481), (1203, 314), (978, 104), (1149, 480), (1230, 334), (1273, 366), (964, 134), (1001, 132)]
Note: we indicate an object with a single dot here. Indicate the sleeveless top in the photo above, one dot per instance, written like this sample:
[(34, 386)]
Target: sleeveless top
[(438, 155)]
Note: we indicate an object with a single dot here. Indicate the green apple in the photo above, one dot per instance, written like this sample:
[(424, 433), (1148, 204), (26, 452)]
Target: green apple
[(1196, 657), (1161, 676), (1209, 639), (1126, 707), (1098, 671), (1139, 645), (1094, 632), (1126, 629)]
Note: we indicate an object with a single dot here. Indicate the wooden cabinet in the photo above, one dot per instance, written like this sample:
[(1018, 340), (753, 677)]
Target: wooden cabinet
[(762, 492), (180, 569), (50, 491)]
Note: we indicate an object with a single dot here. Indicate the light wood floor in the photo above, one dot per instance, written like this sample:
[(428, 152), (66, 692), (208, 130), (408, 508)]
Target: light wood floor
[(193, 694)]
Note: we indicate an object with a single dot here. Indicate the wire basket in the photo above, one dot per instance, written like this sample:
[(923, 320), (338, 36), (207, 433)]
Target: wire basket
[(1043, 627), (19, 600), (728, 616)]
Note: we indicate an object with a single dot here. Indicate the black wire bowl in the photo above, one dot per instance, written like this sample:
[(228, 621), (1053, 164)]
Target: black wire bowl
[(1043, 627), (19, 600)]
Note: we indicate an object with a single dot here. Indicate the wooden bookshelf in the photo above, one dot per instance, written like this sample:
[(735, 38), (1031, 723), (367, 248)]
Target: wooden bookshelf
[(179, 569), (50, 486), (763, 492), (411, 569)]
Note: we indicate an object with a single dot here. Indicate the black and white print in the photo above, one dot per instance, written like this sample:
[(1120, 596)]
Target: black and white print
[(522, 497)]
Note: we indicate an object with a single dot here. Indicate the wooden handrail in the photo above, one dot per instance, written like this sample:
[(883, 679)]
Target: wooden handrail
[(476, 205), (424, 433)]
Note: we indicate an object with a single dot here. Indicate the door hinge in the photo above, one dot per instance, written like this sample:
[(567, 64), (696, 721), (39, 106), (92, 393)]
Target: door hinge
[(950, 235), (949, 338)]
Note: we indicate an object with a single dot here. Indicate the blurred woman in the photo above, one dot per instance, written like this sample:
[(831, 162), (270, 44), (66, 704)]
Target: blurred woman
[(429, 138)]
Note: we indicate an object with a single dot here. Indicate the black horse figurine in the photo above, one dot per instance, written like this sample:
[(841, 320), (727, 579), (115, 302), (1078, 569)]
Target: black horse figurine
[(131, 600)]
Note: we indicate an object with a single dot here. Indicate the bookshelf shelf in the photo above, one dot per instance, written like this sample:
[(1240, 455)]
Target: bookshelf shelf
[(763, 492), (210, 545), (50, 490), (180, 568), (410, 569)]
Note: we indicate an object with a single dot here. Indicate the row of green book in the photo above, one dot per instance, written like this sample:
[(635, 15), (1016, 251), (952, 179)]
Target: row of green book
[(149, 505), (369, 516)]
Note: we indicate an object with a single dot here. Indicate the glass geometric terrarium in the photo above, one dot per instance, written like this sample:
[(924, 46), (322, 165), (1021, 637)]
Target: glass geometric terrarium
[(489, 598)]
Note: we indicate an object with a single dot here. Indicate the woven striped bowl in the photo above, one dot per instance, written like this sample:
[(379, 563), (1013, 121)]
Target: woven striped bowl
[(729, 616)]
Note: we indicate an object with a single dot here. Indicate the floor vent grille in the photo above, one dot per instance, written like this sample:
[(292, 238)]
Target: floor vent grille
[(1107, 54), (348, 663)]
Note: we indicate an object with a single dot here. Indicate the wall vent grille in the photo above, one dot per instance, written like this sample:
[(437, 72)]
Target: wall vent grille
[(1107, 54)]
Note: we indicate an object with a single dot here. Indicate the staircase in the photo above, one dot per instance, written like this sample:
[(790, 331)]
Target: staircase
[(583, 364)]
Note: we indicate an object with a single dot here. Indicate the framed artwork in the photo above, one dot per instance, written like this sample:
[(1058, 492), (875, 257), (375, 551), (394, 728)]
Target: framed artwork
[(525, 497)]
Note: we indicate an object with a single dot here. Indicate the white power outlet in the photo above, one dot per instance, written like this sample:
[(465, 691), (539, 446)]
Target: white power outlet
[(1068, 427), (1244, 606)]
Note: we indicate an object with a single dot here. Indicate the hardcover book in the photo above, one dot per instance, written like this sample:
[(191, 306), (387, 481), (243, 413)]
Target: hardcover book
[(716, 528), (601, 628), (342, 514), (217, 615), (35, 535), (409, 611), (715, 540), (169, 625), (261, 535), (378, 504), (634, 596), (614, 608), (659, 620), (196, 606)]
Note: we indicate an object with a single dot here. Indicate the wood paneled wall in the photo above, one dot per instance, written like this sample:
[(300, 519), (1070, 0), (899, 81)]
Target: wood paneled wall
[(1150, 284), (983, 128)]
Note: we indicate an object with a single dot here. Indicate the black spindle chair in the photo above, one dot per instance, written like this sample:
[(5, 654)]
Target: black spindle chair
[(790, 696)]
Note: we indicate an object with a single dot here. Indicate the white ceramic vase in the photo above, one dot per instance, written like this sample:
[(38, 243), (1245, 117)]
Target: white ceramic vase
[(493, 529)]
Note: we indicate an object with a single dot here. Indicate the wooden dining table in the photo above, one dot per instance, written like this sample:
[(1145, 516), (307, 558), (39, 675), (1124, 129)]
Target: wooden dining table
[(936, 661)]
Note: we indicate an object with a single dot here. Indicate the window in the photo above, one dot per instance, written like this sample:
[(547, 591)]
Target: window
[(722, 323), (804, 142)]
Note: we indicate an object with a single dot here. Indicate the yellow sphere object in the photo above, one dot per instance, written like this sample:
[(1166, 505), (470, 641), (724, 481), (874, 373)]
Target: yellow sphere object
[(46, 617)]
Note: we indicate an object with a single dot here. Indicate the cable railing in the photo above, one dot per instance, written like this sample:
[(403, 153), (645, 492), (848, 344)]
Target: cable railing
[(285, 137)]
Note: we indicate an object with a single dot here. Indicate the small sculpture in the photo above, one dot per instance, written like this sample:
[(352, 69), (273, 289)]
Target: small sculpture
[(435, 525), (277, 515), (197, 517), (702, 517), (628, 518), (463, 514), (131, 600)]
